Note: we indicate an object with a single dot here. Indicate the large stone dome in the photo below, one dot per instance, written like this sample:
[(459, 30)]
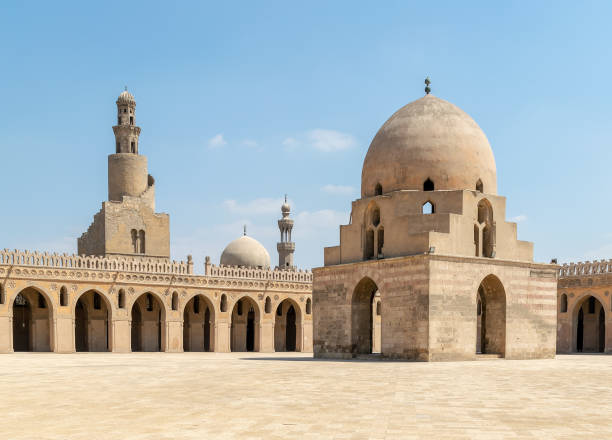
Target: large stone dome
[(429, 138), (246, 251)]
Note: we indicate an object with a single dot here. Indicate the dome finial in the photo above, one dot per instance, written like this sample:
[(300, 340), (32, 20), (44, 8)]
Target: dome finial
[(126, 88), (427, 88), (244, 230)]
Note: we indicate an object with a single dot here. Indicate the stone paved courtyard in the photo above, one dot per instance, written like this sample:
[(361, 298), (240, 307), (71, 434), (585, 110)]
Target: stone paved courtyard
[(278, 396)]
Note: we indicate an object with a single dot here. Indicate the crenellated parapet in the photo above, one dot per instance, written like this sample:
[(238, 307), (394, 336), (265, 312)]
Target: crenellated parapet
[(587, 268), (118, 263), (221, 271)]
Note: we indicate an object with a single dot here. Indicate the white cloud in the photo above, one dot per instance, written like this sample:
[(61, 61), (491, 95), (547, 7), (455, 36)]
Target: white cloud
[(291, 143), (519, 218), (263, 205), (217, 141), (250, 143), (338, 189), (330, 140), (327, 141)]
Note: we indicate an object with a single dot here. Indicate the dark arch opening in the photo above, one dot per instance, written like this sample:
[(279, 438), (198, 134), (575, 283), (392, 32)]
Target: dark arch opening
[(479, 186), (362, 319), (563, 303), (590, 326), (428, 185), (92, 316), (287, 327), (491, 317), (198, 327), (148, 321), (378, 190), (32, 321), (244, 333), (268, 306)]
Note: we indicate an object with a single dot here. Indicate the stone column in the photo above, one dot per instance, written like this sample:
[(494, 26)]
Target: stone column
[(6, 334), (267, 337), (63, 334), (174, 339), (222, 335), (307, 336), (122, 336)]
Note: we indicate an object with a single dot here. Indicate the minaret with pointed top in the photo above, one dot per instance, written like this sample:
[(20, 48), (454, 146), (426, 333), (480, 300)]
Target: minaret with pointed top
[(285, 247)]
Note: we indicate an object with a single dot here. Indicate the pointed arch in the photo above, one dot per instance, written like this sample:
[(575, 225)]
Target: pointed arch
[(362, 319), (245, 327), (32, 312), (288, 326), (428, 185), (148, 323), (92, 314), (199, 324), (490, 310)]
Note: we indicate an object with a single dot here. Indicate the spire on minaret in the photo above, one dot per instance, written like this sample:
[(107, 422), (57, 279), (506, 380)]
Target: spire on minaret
[(285, 247)]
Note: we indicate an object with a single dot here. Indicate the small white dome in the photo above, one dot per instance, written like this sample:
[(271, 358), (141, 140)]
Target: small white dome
[(246, 251)]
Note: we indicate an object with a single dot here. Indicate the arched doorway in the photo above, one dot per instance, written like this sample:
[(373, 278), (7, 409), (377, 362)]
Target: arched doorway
[(590, 326), (198, 325), (363, 317), (288, 327), (491, 317), (148, 323), (92, 317), (32, 329), (244, 333)]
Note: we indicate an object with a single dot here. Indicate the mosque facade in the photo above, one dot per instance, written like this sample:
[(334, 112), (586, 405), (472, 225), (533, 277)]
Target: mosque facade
[(428, 268), (123, 293)]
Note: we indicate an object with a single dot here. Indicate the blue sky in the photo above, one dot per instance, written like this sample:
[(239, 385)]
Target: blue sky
[(242, 102)]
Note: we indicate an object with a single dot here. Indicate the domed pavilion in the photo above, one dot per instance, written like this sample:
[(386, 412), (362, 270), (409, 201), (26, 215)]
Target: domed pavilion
[(429, 268)]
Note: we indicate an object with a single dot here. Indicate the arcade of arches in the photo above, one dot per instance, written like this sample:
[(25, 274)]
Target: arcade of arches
[(66, 318)]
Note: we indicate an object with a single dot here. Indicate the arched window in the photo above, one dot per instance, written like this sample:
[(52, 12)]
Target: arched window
[(378, 190), (369, 244), (428, 185), (135, 245), (131, 120), (375, 217), (239, 308), (121, 299), (149, 302), (380, 241), (479, 186), (428, 208), (97, 301), (63, 296), (117, 149), (2, 294), (485, 219), (564, 303), (133, 146), (196, 305), (224, 303), (141, 236), (268, 306), (175, 301), (118, 122), (378, 308), (308, 306), (42, 304)]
